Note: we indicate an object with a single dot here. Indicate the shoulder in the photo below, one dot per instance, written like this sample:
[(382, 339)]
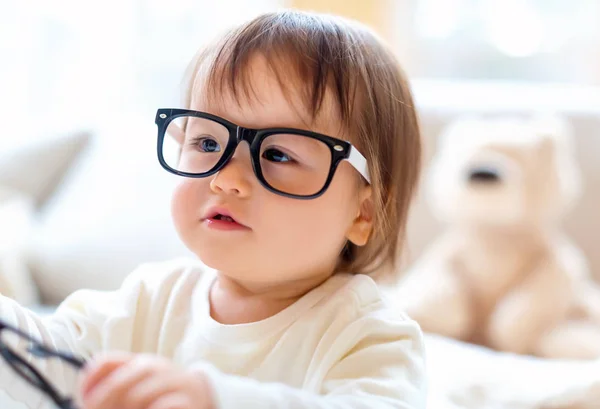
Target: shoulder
[(149, 281), (376, 343), (363, 296), (165, 279), (367, 311)]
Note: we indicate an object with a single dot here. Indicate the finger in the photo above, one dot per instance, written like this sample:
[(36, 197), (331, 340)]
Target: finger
[(173, 401), (99, 368), (153, 388), (114, 388)]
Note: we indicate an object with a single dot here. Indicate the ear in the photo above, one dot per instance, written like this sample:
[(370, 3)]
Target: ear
[(362, 225)]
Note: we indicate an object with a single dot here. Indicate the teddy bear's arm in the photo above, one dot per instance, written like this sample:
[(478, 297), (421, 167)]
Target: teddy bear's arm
[(436, 296), (531, 308)]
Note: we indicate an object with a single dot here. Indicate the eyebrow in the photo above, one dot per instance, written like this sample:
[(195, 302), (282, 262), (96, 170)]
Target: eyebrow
[(316, 125)]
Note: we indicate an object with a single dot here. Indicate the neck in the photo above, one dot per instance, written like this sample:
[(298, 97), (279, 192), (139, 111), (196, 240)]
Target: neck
[(234, 301)]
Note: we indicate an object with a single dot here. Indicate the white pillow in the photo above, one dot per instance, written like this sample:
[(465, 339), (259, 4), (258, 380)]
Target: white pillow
[(33, 162), (111, 213)]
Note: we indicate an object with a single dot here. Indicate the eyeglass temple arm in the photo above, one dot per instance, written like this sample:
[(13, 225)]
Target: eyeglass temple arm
[(42, 351), (42, 383), (357, 160)]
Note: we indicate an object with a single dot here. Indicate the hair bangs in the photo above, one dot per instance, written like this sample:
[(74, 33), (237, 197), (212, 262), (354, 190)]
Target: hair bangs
[(302, 57)]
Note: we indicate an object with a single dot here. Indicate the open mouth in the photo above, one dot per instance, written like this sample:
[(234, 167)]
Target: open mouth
[(223, 218)]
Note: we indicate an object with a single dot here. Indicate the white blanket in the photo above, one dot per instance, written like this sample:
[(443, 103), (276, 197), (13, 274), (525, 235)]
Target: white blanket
[(470, 377)]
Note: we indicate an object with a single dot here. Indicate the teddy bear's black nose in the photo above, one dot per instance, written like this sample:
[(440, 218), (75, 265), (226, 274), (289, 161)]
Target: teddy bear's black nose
[(484, 175)]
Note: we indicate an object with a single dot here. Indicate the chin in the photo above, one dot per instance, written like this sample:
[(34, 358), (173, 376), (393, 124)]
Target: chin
[(226, 259), (216, 256)]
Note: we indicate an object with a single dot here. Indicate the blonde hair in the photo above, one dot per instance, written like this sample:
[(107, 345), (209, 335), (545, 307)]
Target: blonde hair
[(343, 57)]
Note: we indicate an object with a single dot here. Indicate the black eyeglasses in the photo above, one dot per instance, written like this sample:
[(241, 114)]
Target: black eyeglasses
[(287, 161), (12, 340)]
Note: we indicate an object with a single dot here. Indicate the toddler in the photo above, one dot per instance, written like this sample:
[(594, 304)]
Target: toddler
[(298, 151)]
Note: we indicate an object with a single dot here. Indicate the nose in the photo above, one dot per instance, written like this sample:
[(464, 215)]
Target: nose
[(484, 175), (235, 177)]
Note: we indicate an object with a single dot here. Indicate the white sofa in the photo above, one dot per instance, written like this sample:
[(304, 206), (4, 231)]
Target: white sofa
[(110, 212)]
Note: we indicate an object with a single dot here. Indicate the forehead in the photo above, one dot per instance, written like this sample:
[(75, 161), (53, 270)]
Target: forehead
[(265, 95)]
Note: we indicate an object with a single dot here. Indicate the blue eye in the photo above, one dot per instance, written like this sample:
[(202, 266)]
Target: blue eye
[(207, 145), (275, 155)]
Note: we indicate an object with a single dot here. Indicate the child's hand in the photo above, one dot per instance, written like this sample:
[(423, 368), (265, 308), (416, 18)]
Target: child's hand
[(129, 381)]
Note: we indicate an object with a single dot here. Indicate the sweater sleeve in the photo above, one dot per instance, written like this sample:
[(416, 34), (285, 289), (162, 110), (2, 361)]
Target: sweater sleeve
[(85, 323), (381, 365)]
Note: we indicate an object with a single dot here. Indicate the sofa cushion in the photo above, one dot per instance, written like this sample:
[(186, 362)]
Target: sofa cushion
[(110, 214), (16, 220), (34, 161)]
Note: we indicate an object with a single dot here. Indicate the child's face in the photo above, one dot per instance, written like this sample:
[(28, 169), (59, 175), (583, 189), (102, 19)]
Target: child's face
[(286, 239)]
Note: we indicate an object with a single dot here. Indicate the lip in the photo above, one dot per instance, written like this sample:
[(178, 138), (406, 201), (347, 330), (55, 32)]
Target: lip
[(211, 222)]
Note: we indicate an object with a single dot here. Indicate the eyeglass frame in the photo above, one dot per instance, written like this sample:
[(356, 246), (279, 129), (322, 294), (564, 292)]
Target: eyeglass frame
[(340, 149), (39, 350)]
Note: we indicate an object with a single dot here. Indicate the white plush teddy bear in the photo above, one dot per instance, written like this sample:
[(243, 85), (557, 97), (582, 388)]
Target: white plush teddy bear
[(503, 275)]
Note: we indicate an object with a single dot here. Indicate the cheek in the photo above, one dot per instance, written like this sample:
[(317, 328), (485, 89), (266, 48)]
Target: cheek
[(186, 204), (315, 225), (300, 236)]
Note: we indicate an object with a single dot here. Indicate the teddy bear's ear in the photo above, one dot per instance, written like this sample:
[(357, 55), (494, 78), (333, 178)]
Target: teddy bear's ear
[(557, 143), (555, 127), (555, 134), (456, 131), (546, 146)]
